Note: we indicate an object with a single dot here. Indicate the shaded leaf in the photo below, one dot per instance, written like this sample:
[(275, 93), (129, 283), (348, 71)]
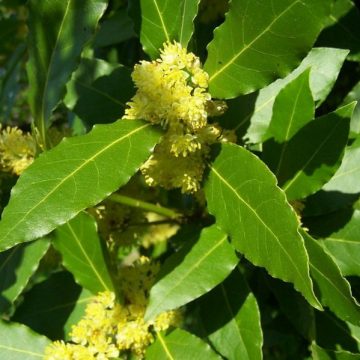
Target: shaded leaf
[(248, 49), (47, 307), (344, 246), (180, 345), (58, 31), (344, 32), (321, 354), (232, 319), (79, 244), (334, 290), (17, 265), (306, 162), (354, 95), (192, 271), (98, 91), (293, 109), (243, 196), (162, 21), (17, 342), (324, 63), (117, 28), (76, 174)]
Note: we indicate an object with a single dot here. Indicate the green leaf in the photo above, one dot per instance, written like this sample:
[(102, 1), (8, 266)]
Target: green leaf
[(59, 30), (293, 109), (354, 95), (98, 91), (321, 354), (243, 196), (47, 307), (164, 20), (180, 345), (235, 331), (306, 162), (17, 265), (192, 272), (344, 246), (78, 173), (117, 28), (324, 63), (248, 49), (344, 32), (79, 244), (17, 342), (334, 290), (77, 307)]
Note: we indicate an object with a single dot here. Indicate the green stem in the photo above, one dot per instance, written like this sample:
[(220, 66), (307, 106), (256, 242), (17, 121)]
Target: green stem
[(126, 200)]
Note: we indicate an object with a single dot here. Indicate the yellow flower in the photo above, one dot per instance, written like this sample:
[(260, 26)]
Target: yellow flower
[(172, 92), (17, 150)]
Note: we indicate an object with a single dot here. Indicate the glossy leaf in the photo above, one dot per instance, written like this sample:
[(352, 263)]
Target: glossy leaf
[(248, 49), (79, 244), (242, 194), (321, 354), (76, 174), (306, 162), (235, 331), (324, 64), (192, 272), (17, 265), (47, 307), (344, 31), (344, 246), (163, 21), (293, 109), (17, 342), (334, 290), (98, 91), (179, 345), (59, 30)]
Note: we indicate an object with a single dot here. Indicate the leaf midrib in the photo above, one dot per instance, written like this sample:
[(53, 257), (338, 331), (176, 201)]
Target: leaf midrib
[(10, 348), (248, 46), (92, 158), (166, 349), (161, 20)]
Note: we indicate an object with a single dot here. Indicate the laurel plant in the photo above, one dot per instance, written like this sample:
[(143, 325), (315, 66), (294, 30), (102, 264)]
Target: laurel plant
[(179, 179)]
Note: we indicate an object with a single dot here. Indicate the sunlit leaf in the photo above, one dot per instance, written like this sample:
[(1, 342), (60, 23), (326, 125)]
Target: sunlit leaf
[(243, 196), (76, 174)]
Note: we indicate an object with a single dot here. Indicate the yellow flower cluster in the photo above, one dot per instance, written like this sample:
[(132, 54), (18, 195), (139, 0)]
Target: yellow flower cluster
[(17, 150), (172, 92), (108, 328)]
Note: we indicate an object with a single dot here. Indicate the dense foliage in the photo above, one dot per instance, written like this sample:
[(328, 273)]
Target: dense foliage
[(179, 179)]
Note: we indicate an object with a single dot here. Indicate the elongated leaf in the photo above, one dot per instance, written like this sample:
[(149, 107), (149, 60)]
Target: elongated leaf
[(98, 91), (46, 308), (334, 289), (243, 196), (179, 345), (306, 162), (17, 265), (164, 20), (235, 331), (58, 31), (354, 95), (321, 354), (17, 342), (80, 247), (324, 63), (344, 246), (293, 109), (192, 272), (248, 49), (344, 32), (78, 173)]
